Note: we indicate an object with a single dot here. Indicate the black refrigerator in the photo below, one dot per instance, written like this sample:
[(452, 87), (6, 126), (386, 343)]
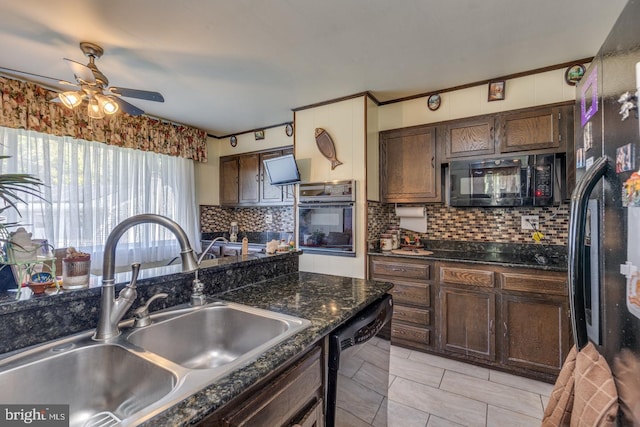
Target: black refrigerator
[(604, 235)]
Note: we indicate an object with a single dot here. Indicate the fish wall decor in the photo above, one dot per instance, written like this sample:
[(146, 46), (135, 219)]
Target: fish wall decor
[(326, 147)]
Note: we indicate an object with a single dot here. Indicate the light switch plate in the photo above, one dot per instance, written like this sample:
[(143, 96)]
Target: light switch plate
[(529, 222), (268, 218)]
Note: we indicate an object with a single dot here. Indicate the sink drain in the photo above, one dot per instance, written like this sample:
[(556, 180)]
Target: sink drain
[(102, 419)]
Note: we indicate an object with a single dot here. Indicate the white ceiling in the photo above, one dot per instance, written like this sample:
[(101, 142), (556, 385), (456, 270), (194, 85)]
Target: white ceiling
[(228, 66)]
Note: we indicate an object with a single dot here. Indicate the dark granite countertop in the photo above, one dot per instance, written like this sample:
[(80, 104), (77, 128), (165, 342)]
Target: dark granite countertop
[(327, 301), (552, 258)]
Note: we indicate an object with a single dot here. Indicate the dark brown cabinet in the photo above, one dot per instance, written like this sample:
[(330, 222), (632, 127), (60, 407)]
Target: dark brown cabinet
[(293, 397), (515, 319), (243, 181), (536, 331), (540, 128), (229, 178), (467, 311), (409, 168), (412, 324), (530, 130), (472, 137), (249, 184)]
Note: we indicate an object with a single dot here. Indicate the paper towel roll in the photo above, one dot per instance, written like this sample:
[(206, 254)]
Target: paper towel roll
[(413, 218), (411, 211)]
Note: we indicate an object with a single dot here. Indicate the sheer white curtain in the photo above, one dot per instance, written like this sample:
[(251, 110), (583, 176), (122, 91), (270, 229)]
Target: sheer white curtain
[(91, 187)]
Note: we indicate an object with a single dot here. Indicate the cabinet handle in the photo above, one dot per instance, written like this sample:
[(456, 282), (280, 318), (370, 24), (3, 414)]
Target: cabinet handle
[(257, 177), (491, 133), (396, 269), (433, 164)]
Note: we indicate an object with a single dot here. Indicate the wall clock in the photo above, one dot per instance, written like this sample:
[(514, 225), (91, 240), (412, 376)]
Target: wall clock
[(434, 102), (289, 129), (233, 141), (573, 74)]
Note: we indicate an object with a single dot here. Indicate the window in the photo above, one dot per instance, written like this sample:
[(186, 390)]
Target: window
[(90, 187)]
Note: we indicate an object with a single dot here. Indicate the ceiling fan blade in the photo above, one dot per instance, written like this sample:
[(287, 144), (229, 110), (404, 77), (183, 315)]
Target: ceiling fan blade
[(10, 71), (139, 94), (81, 71), (130, 109)]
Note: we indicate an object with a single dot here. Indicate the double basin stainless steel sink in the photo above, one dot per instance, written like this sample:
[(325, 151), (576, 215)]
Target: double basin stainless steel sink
[(144, 371)]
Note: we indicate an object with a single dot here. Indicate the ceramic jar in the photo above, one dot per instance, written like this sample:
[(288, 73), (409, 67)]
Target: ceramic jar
[(386, 242)]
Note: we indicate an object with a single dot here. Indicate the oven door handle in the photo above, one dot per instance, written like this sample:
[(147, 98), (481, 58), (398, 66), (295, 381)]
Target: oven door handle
[(325, 205)]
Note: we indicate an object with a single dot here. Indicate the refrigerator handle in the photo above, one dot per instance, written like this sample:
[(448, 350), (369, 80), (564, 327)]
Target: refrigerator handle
[(577, 222)]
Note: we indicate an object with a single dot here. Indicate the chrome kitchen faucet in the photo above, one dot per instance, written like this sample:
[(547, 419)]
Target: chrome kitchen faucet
[(111, 309)]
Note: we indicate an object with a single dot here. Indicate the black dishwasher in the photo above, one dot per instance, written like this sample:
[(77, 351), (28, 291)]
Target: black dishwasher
[(358, 375)]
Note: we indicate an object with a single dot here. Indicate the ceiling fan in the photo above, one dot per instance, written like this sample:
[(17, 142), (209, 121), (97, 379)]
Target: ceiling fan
[(94, 88)]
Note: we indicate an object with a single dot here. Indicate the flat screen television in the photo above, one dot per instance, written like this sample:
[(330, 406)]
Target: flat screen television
[(282, 170)]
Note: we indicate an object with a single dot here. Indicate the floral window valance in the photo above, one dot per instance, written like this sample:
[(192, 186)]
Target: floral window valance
[(27, 106)]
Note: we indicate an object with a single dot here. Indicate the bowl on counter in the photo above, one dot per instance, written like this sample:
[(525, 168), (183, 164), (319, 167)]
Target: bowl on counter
[(39, 282)]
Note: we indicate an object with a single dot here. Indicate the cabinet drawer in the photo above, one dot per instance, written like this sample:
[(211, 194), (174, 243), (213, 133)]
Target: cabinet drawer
[(410, 333), (401, 269), (534, 282), (467, 276), (281, 401), (411, 293), (418, 316)]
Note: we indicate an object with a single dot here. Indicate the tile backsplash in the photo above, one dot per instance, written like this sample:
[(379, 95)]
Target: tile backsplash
[(253, 219), (500, 225)]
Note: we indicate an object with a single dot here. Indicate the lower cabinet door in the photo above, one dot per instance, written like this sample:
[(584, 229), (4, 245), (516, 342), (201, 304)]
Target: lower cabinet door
[(536, 332), (467, 322)]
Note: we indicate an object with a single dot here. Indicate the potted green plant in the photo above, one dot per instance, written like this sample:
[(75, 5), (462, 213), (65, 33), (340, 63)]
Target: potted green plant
[(13, 186)]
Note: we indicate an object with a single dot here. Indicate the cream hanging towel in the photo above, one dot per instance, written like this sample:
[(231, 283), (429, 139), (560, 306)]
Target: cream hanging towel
[(413, 218)]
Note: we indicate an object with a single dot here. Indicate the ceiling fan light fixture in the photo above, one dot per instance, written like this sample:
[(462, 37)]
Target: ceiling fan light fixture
[(71, 98), (93, 110), (107, 104)]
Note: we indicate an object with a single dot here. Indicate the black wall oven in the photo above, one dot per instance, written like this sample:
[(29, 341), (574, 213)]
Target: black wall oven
[(326, 218), (511, 181)]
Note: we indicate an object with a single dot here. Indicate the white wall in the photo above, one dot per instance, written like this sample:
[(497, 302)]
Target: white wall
[(207, 175), (345, 123), (536, 89), (354, 125)]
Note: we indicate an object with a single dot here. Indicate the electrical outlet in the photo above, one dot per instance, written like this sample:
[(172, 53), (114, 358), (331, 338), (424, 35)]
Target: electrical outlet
[(268, 218), (529, 222)]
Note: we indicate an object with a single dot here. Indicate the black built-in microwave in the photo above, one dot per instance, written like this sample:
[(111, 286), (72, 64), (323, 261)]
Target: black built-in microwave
[(510, 181)]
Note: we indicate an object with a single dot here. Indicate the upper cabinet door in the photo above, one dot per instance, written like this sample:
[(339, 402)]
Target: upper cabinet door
[(472, 137), (269, 193), (408, 166), (229, 181), (531, 130), (249, 179), (244, 182)]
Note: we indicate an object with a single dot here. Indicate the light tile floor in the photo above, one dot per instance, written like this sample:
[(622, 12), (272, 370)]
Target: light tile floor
[(431, 391)]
